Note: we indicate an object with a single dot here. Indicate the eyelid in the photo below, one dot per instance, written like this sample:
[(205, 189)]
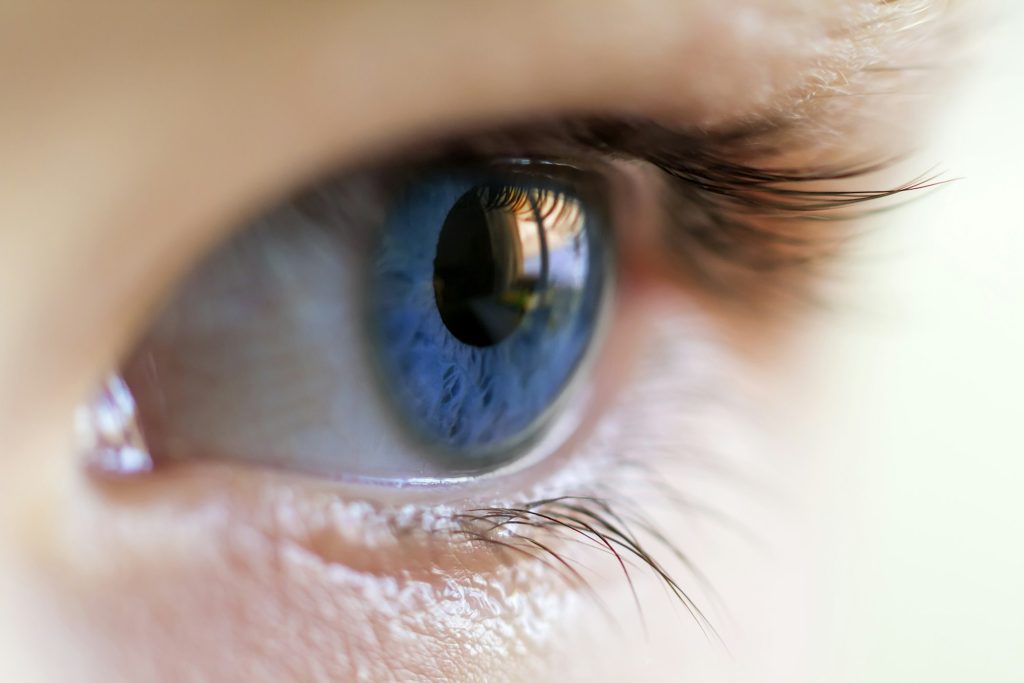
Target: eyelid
[(735, 214)]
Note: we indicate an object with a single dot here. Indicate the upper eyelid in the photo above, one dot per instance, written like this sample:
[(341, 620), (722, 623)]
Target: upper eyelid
[(719, 190), (734, 163)]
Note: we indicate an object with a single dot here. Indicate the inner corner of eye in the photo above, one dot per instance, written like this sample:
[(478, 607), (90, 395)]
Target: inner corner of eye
[(444, 350)]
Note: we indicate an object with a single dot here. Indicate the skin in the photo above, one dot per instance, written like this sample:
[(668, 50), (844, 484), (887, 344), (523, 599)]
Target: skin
[(134, 135)]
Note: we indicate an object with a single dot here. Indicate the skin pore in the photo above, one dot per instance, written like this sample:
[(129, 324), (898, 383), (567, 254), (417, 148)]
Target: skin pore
[(135, 136)]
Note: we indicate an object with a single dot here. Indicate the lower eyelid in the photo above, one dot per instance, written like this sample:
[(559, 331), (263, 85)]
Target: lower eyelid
[(637, 302), (258, 559), (338, 523), (270, 555)]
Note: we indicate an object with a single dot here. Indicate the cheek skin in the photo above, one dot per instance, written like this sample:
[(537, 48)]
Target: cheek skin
[(199, 585)]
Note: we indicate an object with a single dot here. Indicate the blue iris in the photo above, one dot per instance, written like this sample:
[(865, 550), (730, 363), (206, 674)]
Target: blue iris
[(485, 293)]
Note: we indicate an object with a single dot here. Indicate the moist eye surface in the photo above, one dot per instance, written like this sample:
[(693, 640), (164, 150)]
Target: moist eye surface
[(485, 295), (415, 329)]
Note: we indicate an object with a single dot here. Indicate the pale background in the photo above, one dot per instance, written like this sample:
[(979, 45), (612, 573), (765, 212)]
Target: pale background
[(921, 409)]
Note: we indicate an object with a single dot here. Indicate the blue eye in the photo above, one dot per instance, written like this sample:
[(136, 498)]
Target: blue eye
[(404, 327), (484, 297)]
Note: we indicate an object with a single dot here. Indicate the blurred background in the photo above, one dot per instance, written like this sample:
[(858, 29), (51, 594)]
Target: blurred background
[(921, 406)]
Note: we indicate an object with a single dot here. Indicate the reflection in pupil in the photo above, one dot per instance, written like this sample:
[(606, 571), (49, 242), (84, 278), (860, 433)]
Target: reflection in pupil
[(490, 261), (486, 294)]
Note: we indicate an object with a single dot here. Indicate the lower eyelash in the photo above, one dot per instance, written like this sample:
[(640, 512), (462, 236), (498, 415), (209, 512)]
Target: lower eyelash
[(532, 529)]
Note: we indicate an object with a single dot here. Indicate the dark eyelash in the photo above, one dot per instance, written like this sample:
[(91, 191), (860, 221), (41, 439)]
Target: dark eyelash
[(762, 221), (722, 198), (708, 161), (712, 165), (777, 191), (735, 223), (533, 528), (737, 227)]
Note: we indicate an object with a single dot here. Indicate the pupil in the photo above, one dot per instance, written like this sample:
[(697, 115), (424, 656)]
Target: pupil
[(484, 271)]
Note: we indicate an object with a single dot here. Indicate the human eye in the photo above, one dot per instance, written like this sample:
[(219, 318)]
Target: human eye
[(411, 362), (421, 367), (430, 357), (410, 327)]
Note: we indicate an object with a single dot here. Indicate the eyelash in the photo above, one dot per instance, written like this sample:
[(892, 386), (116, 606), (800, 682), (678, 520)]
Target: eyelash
[(599, 526), (722, 196)]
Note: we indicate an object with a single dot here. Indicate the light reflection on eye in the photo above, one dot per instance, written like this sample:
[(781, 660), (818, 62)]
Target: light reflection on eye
[(441, 348), (485, 298)]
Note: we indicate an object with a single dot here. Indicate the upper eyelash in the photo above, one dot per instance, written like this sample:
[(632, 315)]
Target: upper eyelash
[(748, 220), (763, 221), (714, 164), (776, 190), (711, 161), (756, 216)]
